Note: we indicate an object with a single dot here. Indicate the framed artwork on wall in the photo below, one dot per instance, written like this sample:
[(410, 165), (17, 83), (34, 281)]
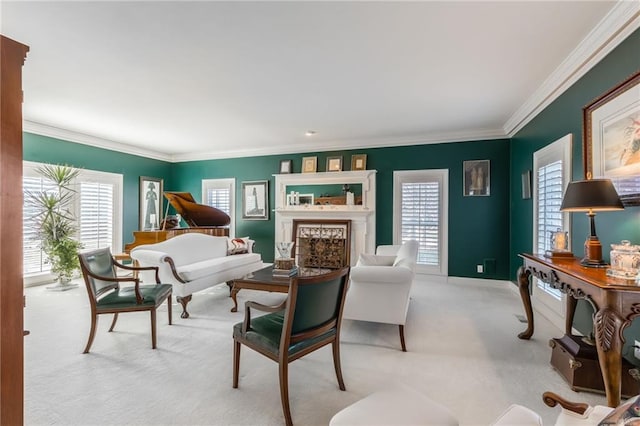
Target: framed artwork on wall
[(476, 178), (150, 204), (309, 164), (359, 162), (334, 164), (255, 200), (611, 139)]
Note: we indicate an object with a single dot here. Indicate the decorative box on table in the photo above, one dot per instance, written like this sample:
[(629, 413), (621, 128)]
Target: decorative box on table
[(577, 361)]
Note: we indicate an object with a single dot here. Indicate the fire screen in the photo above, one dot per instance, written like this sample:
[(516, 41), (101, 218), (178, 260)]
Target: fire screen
[(324, 244)]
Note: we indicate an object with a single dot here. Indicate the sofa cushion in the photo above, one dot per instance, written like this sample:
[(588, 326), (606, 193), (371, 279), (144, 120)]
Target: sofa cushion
[(215, 266)]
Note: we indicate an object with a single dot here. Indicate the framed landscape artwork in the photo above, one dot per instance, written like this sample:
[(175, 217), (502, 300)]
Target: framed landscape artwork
[(150, 205), (611, 145), (255, 200)]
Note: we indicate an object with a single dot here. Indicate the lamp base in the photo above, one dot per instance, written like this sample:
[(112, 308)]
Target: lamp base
[(590, 263), (593, 254)]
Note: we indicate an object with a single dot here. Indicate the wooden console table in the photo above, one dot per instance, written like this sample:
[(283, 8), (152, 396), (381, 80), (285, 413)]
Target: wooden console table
[(615, 301)]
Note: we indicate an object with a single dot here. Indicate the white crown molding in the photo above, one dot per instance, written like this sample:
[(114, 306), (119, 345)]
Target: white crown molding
[(617, 25), (76, 137), (312, 146)]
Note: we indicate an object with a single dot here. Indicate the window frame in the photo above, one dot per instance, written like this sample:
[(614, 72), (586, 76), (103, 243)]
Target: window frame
[(549, 301), (223, 183), (84, 175), (423, 176)]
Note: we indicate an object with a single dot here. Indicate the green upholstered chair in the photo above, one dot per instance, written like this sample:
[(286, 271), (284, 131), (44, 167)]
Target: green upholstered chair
[(106, 296), (307, 320)]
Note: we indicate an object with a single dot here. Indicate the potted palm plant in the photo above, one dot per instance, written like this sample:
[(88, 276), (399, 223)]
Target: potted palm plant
[(56, 223)]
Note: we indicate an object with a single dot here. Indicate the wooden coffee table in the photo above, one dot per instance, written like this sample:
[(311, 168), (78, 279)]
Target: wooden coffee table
[(263, 280)]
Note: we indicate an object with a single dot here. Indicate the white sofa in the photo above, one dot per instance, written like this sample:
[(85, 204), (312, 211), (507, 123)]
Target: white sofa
[(402, 405), (193, 262), (380, 285)]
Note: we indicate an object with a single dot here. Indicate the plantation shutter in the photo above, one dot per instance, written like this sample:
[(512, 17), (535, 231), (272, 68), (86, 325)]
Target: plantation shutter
[(96, 214), (550, 191), (219, 193), (420, 219), (552, 171), (219, 198), (34, 258)]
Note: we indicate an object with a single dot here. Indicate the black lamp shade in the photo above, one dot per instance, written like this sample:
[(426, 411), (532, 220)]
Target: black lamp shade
[(591, 195)]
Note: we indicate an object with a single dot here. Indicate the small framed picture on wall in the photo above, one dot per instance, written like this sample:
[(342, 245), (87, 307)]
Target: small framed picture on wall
[(476, 178), (150, 205), (255, 200)]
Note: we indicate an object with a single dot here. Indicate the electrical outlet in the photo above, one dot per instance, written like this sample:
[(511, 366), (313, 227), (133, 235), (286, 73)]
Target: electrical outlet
[(480, 269), (636, 349)]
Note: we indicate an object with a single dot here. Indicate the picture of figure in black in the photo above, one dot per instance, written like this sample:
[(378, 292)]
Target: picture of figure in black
[(151, 215)]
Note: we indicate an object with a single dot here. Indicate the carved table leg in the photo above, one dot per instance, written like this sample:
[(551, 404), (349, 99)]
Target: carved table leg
[(523, 285), (572, 302), (234, 292), (608, 326)]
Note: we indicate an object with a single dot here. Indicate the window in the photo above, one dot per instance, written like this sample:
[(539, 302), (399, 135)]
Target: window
[(98, 210), (219, 193), (552, 172), (420, 213)]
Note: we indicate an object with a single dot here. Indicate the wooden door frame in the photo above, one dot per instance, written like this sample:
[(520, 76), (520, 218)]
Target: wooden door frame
[(12, 57)]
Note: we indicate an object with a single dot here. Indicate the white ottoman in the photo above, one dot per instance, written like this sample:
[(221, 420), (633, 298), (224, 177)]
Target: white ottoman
[(402, 406)]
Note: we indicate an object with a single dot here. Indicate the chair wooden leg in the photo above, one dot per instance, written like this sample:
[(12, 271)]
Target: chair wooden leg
[(153, 328), (169, 309), (336, 363), (404, 347), (113, 323), (92, 333), (284, 391), (236, 363)]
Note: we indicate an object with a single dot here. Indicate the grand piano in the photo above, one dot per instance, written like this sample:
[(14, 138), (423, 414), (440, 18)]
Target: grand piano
[(200, 218)]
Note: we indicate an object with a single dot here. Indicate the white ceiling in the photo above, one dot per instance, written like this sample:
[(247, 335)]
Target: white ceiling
[(191, 80)]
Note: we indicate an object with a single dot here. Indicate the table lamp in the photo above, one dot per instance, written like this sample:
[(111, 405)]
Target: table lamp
[(589, 196)]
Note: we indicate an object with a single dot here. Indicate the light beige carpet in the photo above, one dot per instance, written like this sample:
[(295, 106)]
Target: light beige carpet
[(462, 352)]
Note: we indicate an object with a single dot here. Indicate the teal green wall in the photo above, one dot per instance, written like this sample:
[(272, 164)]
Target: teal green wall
[(55, 151), (564, 116), (483, 219)]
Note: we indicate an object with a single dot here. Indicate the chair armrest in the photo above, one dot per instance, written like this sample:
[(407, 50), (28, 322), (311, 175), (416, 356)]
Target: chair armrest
[(138, 268), (382, 274), (552, 399), (136, 282), (260, 307)]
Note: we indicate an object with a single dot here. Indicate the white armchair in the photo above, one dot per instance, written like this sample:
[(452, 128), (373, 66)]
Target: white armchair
[(380, 285)]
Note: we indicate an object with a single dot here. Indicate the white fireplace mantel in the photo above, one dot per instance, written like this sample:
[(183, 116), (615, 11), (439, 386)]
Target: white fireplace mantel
[(363, 217)]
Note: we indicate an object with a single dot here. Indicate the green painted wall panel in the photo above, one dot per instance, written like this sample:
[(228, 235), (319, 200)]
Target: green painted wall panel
[(485, 219), (55, 151)]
